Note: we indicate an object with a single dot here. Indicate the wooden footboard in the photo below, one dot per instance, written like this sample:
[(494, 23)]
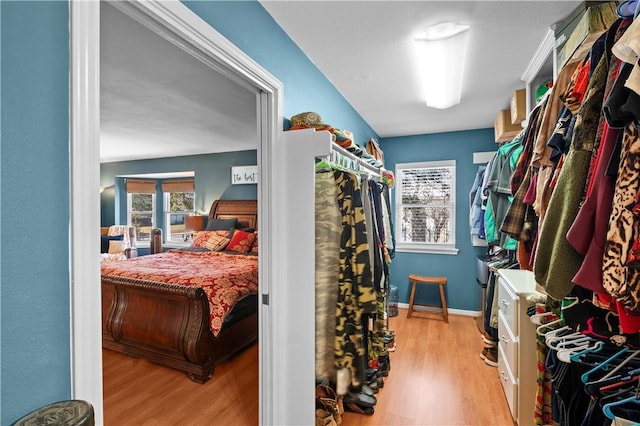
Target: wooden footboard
[(168, 325)]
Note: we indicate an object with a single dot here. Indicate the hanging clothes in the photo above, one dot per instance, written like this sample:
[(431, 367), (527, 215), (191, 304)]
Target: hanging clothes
[(499, 192), (556, 261), (327, 243)]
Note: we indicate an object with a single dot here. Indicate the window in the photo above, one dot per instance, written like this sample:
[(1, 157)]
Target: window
[(177, 206), (141, 214), (425, 207), (179, 202)]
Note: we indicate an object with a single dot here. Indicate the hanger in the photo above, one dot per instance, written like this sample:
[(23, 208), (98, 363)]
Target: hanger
[(635, 400), (536, 318), (549, 330), (573, 354), (541, 330), (573, 339), (575, 357), (622, 364), (603, 365)]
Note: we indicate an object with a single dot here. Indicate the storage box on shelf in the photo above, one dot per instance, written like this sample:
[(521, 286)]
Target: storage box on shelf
[(518, 106), (504, 129), (589, 23)]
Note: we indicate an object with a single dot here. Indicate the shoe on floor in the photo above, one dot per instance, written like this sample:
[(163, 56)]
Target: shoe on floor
[(490, 356), (487, 339)]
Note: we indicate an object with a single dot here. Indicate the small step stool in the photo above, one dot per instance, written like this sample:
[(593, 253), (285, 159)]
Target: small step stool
[(440, 281)]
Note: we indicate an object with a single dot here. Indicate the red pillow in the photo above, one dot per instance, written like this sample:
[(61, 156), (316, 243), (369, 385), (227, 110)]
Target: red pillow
[(241, 241)]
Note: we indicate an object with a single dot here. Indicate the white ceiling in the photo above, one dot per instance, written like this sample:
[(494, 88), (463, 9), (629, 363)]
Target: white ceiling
[(158, 101), (365, 48)]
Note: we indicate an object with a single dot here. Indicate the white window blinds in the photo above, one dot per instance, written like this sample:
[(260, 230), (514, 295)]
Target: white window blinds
[(425, 205)]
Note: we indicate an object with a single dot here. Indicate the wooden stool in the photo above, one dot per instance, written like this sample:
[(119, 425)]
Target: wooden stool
[(418, 279)]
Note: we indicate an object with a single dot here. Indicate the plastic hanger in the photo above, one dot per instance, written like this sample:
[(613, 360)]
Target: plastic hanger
[(541, 330), (560, 333), (567, 355), (630, 400), (575, 357), (537, 318), (603, 365), (622, 364)]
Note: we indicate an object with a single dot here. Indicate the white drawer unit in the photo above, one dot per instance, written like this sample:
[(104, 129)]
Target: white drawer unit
[(517, 343)]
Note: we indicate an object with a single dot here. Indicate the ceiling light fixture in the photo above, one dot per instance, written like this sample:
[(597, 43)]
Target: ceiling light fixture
[(442, 51)]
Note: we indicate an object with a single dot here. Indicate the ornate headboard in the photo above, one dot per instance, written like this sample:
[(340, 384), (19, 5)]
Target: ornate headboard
[(245, 210)]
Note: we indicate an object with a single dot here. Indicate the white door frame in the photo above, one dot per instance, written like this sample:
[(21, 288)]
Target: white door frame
[(181, 26)]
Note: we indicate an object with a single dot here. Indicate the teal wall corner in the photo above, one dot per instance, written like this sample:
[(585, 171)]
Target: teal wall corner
[(462, 290)]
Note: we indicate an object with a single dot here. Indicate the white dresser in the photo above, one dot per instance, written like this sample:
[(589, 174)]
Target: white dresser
[(516, 343)]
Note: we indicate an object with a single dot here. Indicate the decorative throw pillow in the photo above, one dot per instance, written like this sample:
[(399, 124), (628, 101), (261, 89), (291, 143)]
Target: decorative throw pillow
[(241, 241), (216, 242), (227, 234), (254, 247), (201, 238), (104, 241), (222, 224), (116, 247)]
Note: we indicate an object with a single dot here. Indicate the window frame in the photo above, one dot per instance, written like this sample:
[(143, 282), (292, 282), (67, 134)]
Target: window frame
[(139, 242), (167, 219), (420, 247)]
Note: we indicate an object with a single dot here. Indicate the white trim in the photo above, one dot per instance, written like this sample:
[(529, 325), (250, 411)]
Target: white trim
[(460, 312), (483, 157), (181, 26), (86, 307), (425, 248), (545, 48)]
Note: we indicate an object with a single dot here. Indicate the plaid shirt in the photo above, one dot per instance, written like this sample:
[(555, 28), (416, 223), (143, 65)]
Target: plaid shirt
[(528, 140), (514, 220)]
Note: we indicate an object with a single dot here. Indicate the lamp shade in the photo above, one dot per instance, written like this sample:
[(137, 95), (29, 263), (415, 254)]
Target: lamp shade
[(194, 223), (441, 53)]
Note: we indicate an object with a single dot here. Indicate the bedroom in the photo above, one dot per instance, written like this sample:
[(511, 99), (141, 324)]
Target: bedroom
[(167, 119), (50, 23)]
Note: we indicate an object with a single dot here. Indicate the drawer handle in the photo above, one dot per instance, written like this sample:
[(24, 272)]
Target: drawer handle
[(504, 339), (504, 302), (503, 375)]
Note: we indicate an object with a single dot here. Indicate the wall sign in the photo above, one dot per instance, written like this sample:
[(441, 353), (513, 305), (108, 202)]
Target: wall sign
[(244, 174)]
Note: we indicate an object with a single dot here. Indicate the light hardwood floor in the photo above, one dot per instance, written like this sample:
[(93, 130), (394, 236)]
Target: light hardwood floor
[(436, 378)]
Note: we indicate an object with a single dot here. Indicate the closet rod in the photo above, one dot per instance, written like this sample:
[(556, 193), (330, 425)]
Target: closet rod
[(340, 150)]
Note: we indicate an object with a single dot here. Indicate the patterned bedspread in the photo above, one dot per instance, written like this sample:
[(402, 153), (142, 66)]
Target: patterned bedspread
[(225, 278)]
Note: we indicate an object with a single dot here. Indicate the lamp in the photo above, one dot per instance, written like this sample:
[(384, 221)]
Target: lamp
[(193, 223), (441, 51)]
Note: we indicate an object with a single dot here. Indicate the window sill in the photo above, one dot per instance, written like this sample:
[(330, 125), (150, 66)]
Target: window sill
[(427, 250)]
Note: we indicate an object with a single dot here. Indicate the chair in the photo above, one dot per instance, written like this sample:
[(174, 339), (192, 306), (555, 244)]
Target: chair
[(128, 250), (419, 279)]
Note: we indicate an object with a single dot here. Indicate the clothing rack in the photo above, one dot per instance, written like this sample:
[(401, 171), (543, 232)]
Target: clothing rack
[(344, 158)]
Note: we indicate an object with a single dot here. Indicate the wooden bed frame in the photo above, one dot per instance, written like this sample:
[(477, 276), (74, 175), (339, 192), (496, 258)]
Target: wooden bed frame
[(169, 324)]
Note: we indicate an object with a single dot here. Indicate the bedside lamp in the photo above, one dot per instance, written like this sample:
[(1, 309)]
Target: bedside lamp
[(193, 223)]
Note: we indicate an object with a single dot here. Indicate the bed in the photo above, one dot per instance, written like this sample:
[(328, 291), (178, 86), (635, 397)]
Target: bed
[(150, 313)]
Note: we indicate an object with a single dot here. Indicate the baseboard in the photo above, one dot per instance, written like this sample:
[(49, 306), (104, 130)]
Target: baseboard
[(460, 312)]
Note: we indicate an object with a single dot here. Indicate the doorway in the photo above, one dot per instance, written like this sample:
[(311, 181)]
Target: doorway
[(176, 23)]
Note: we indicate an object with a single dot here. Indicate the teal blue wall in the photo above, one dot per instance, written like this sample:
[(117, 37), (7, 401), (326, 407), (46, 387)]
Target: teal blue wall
[(212, 180), (34, 212), (34, 176), (462, 290)]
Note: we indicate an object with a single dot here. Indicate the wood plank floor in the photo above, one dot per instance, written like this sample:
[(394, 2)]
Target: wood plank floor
[(436, 378)]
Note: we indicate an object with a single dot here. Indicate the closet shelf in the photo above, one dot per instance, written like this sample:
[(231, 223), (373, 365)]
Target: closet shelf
[(361, 163)]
